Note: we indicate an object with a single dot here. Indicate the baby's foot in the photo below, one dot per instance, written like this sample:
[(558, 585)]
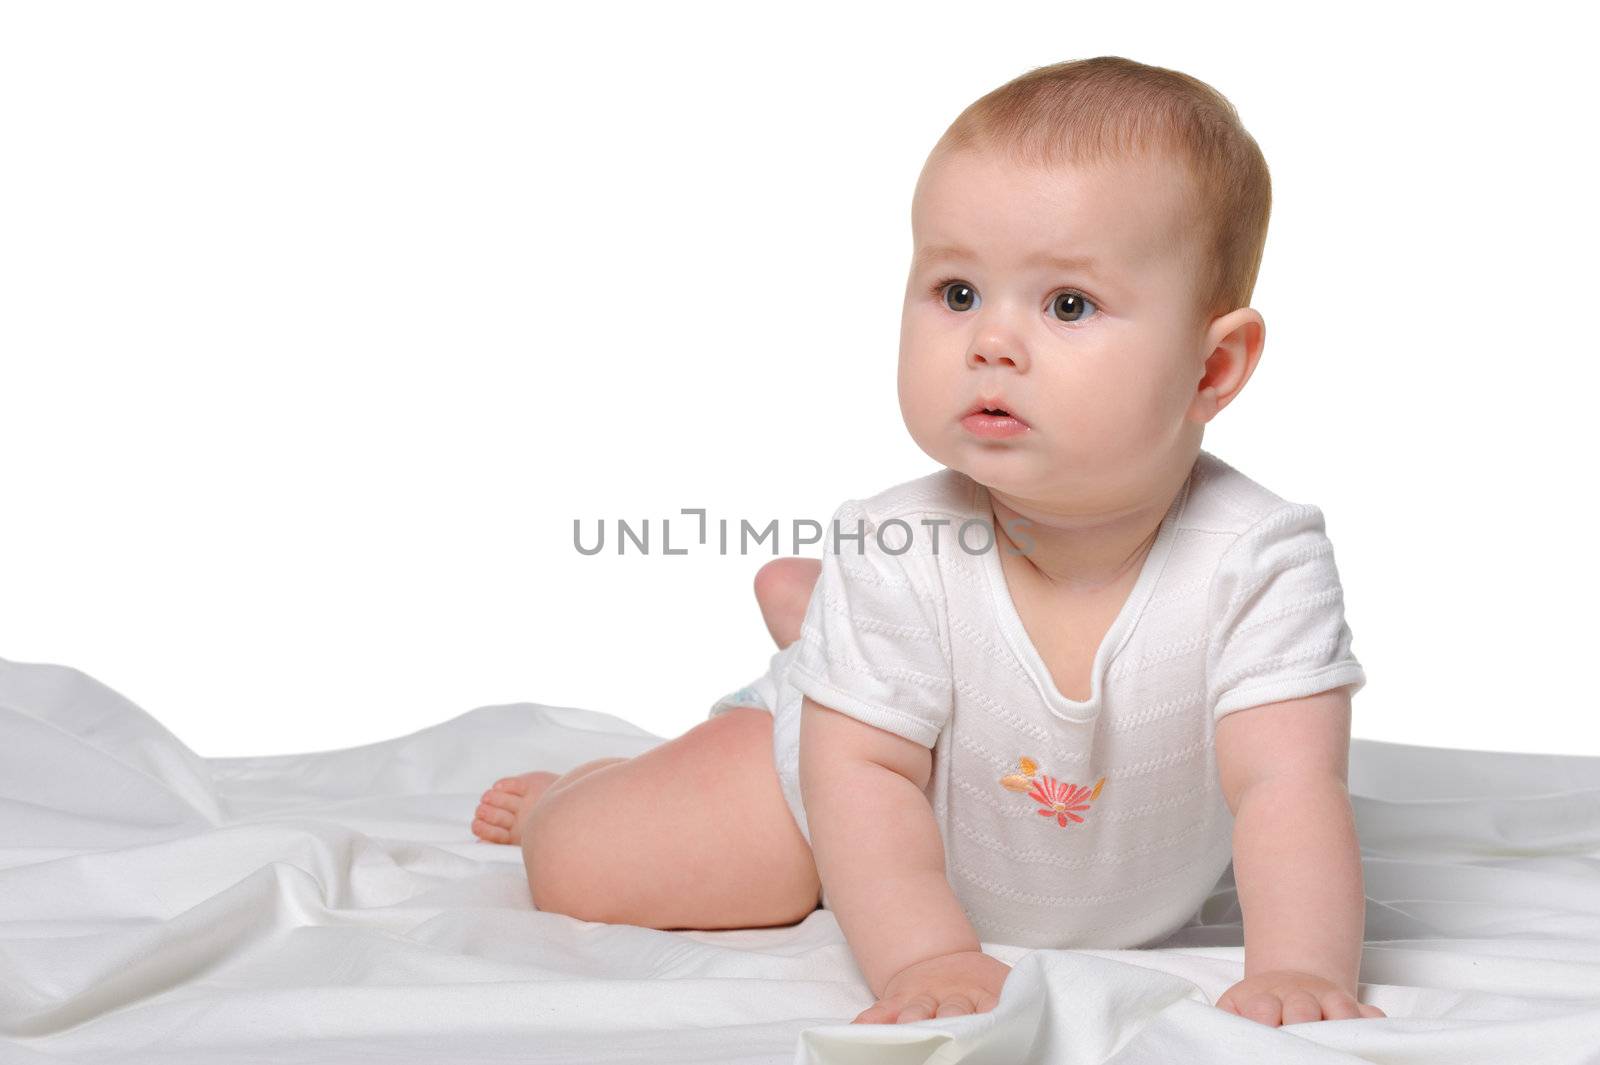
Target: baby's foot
[(504, 807)]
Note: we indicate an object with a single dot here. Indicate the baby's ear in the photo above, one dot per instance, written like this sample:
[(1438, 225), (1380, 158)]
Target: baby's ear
[(1232, 348)]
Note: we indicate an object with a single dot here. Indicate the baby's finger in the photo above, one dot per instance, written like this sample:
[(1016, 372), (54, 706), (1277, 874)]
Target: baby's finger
[(877, 1013), (1339, 1007), (955, 1005), (918, 1009), (1371, 1011), (1264, 1007), (1301, 1007)]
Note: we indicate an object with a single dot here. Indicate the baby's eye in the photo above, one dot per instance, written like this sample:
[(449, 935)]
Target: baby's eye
[(969, 295), (1068, 306)]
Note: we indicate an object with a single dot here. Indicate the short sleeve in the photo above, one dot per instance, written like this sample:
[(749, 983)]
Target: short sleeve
[(1276, 610), (870, 645)]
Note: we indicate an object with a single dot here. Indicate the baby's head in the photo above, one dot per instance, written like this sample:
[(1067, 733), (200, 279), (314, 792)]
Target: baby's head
[(1144, 185)]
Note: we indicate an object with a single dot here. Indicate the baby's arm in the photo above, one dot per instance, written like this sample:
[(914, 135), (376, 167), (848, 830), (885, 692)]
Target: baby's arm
[(1297, 862), (1280, 674), (881, 863)]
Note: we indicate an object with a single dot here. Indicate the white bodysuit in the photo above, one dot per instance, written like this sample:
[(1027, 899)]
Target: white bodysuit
[(1065, 823)]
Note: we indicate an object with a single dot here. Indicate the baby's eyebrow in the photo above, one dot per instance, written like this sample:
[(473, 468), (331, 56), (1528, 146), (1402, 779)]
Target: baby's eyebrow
[(935, 253)]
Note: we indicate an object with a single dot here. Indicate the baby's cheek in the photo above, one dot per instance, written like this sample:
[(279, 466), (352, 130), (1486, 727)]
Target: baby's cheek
[(1104, 422), (920, 400), (1132, 408)]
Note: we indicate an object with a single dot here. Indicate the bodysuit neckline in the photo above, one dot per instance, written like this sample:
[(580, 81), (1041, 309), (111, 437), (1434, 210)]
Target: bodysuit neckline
[(1016, 634)]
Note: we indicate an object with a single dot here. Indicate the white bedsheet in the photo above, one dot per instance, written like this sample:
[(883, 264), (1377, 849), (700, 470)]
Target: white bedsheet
[(156, 906)]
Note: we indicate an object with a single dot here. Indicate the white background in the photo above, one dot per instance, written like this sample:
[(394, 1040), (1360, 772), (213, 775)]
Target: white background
[(321, 322)]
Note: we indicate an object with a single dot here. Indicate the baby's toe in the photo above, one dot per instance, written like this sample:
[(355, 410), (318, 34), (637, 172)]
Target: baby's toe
[(496, 815), (491, 833), (502, 800), (515, 785)]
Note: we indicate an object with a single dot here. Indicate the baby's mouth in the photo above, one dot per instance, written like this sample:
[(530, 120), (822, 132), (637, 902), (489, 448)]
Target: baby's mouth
[(991, 422), (980, 410)]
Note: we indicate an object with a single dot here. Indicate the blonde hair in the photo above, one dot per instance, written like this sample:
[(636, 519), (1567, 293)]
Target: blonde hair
[(1108, 108)]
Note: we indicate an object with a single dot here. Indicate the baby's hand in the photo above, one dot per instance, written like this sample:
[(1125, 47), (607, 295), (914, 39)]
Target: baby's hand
[(947, 986), (1293, 996)]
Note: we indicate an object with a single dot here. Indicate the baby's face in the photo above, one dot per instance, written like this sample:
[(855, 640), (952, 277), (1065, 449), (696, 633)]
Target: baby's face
[(1101, 359)]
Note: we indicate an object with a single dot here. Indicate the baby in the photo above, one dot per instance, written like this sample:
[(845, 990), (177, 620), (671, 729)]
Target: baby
[(1041, 696)]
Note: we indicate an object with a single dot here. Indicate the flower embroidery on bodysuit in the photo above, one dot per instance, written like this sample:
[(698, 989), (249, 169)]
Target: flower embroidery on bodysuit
[(1059, 800)]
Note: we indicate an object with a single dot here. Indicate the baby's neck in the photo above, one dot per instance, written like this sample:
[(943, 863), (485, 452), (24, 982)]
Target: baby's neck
[(1081, 553)]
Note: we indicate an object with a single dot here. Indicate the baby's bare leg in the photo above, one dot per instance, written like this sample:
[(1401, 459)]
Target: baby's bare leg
[(578, 772), (783, 589), (693, 833)]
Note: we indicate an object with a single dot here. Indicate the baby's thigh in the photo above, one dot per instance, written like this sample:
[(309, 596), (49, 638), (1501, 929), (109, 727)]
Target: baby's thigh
[(693, 833)]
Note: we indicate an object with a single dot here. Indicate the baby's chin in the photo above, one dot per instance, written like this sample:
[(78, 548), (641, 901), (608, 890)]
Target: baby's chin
[(1010, 467), (1015, 471)]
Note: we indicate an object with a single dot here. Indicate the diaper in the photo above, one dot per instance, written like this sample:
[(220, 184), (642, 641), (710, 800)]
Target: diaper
[(762, 692)]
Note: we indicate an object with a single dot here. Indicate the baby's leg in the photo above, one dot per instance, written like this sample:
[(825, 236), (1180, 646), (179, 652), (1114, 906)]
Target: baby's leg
[(693, 833), (783, 588)]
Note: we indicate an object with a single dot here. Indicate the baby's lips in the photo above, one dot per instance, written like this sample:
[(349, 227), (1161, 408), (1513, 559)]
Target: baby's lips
[(981, 407)]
